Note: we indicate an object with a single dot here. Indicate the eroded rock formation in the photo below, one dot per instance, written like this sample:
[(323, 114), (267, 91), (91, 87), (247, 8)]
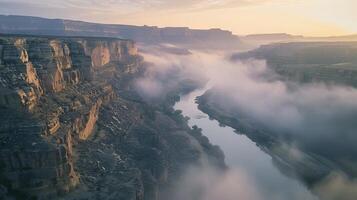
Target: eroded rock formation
[(47, 104), (72, 127)]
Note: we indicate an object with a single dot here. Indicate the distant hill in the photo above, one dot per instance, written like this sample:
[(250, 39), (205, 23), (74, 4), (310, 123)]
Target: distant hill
[(183, 36), (335, 38), (255, 40), (272, 36), (329, 62)]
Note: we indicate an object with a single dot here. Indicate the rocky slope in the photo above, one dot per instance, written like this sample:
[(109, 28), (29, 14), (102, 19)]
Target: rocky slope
[(71, 126), (182, 36)]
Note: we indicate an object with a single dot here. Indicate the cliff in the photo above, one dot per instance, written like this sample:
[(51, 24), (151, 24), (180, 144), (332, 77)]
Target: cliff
[(32, 66), (75, 129), (49, 103), (181, 36)]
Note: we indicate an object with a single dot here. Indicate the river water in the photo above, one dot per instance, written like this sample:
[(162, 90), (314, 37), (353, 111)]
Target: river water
[(242, 155)]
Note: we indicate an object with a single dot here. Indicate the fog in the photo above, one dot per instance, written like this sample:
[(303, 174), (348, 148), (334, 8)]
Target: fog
[(167, 71), (318, 118), (209, 184), (337, 186)]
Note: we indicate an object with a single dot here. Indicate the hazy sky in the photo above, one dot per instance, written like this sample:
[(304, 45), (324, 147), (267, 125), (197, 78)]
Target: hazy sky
[(308, 17)]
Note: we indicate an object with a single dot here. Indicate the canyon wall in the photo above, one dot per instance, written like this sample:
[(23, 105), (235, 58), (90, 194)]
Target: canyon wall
[(181, 36), (48, 102), (72, 126)]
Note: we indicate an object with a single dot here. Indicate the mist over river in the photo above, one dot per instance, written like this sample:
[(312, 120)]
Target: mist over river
[(251, 173), (256, 92)]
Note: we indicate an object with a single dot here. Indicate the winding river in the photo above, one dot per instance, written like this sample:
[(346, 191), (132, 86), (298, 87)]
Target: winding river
[(242, 155)]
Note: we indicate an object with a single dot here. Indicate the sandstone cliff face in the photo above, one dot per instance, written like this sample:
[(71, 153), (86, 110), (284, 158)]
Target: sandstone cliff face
[(103, 52), (75, 129), (29, 162), (18, 75), (51, 65), (51, 104), (84, 125)]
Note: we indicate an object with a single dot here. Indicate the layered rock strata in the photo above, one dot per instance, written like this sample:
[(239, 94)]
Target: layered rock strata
[(47, 104), (72, 127)]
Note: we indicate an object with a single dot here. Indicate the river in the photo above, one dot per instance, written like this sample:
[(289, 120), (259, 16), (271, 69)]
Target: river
[(242, 155)]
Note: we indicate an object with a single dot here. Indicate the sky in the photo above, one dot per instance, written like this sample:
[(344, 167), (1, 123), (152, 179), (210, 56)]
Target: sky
[(300, 17)]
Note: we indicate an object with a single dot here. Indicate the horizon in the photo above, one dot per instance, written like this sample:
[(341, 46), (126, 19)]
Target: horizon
[(241, 17), (178, 99), (192, 28)]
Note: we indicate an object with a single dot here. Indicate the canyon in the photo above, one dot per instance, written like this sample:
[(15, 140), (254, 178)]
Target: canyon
[(88, 112), (73, 127)]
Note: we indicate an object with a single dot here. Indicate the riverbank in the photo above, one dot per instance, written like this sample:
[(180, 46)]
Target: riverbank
[(251, 172)]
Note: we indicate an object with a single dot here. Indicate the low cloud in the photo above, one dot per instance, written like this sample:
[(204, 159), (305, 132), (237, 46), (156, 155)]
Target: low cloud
[(319, 119), (166, 72), (209, 184), (320, 116), (337, 187)]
